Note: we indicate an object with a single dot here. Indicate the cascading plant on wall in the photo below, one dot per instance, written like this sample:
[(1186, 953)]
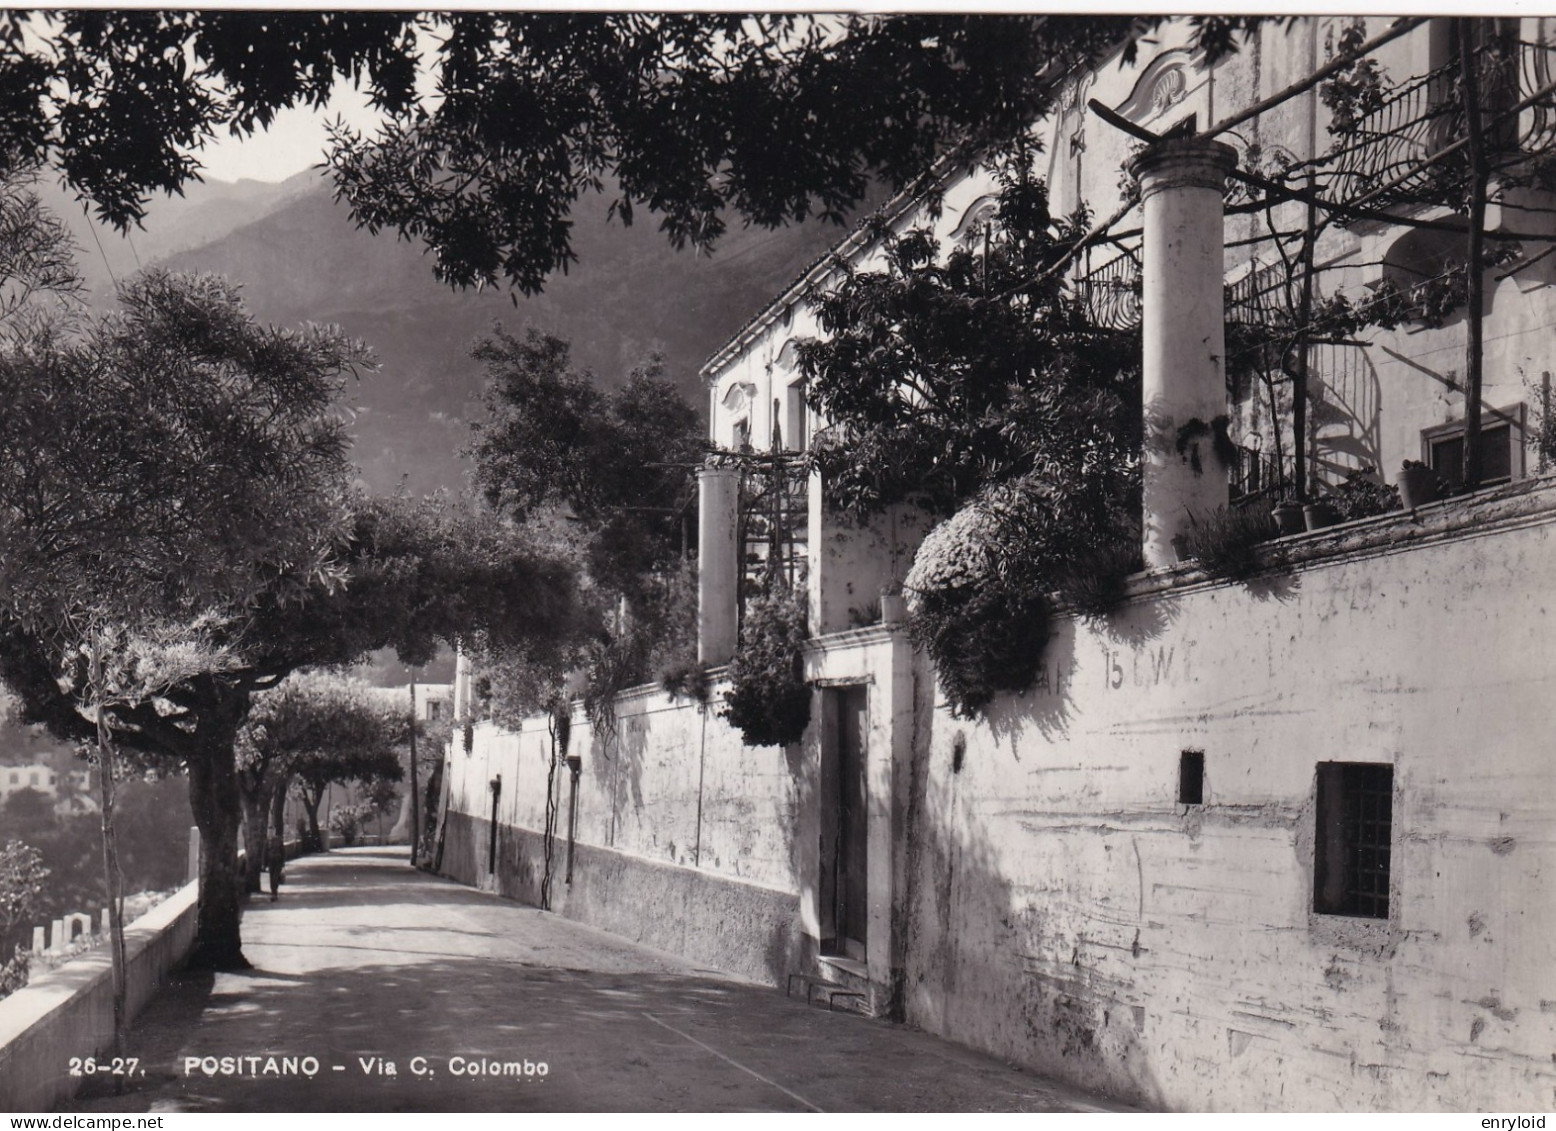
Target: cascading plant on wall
[(768, 699)]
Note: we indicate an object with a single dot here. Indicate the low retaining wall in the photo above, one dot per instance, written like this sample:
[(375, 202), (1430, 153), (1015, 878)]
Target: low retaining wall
[(68, 1012), (737, 927)]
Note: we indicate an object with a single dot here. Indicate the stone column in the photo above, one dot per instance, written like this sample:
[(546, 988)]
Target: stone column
[(1181, 185), (718, 563)]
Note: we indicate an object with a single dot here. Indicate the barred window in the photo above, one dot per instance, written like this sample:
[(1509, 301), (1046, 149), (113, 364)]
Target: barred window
[(1351, 849)]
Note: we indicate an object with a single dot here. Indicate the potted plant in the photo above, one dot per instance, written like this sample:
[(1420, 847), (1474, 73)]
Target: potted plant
[(1288, 516), (1417, 484), (1363, 494), (1319, 514)]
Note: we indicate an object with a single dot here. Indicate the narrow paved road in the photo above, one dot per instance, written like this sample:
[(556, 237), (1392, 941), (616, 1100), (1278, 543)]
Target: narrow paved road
[(365, 963)]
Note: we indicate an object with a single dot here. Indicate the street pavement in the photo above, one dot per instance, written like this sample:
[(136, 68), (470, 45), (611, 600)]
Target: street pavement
[(401, 991)]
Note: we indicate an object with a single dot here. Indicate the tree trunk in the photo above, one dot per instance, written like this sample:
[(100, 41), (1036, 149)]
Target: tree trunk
[(311, 802), (113, 881), (278, 808), (256, 813), (214, 797)]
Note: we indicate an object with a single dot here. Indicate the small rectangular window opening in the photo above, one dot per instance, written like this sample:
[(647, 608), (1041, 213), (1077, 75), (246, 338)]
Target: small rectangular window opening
[(1191, 777), (1351, 848)]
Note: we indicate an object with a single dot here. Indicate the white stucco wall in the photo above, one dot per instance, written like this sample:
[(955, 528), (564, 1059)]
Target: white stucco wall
[(1052, 903), (1071, 915), (674, 786)]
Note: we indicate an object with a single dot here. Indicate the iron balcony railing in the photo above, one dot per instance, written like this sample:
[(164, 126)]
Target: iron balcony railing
[(1112, 294), (1390, 155), (1258, 474), (1263, 297)]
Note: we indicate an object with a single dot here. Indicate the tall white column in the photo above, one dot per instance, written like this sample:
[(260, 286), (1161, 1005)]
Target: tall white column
[(1181, 185), (718, 563)]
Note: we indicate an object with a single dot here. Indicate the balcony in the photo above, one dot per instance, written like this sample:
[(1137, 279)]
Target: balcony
[(1111, 293), (1387, 156)]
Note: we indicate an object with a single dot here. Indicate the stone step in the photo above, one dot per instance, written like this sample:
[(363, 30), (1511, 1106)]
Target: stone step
[(840, 984)]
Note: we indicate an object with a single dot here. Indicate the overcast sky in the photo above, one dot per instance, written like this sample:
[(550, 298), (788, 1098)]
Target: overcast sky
[(294, 141)]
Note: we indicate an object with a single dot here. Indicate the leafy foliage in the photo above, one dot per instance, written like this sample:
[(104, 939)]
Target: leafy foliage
[(131, 452), (14, 973), (1225, 542), (774, 117), (608, 477), (942, 375), (338, 731), (687, 679), (1363, 494), (137, 439), (1542, 425), (620, 462), (1356, 90), (771, 117), (147, 432), (976, 383), (768, 700), (21, 882), (37, 258), (1096, 583), (347, 821), (976, 608)]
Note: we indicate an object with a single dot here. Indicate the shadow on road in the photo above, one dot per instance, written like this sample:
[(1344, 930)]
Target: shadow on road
[(398, 991)]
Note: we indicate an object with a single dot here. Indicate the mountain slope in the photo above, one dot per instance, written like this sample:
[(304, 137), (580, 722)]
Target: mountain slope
[(206, 212), (630, 293)]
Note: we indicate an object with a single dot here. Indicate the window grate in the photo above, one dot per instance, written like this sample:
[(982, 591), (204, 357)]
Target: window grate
[(1355, 830), (1369, 802)]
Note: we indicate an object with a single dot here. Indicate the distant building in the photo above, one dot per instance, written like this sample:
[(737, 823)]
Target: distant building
[(71, 789), (434, 701)]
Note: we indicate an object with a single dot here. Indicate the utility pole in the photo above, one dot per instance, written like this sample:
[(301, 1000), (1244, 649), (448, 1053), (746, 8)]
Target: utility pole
[(415, 802)]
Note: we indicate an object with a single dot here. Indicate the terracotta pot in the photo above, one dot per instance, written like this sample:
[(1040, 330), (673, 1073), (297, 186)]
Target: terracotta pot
[(1288, 519), (1319, 515), (1417, 486)]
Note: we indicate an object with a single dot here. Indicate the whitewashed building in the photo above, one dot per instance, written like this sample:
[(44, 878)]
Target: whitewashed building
[(1282, 844), (68, 789)]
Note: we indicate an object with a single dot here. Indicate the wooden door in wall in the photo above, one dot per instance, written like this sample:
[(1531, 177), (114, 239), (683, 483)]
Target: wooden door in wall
[(845, 853)]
